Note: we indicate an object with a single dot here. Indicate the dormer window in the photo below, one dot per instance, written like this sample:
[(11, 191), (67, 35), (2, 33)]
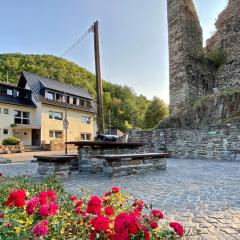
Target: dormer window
[(50, 95), (59, 97), (82, 102), (74, 101), (68, 99), (88, 104), (9, 92)]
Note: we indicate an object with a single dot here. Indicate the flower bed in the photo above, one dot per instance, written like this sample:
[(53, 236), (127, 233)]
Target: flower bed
[(30, 210)]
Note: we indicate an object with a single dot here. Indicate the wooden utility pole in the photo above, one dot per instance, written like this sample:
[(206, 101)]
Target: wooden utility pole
[(99, 88)]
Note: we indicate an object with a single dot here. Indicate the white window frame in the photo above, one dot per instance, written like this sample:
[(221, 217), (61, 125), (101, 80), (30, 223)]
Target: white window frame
[(7, 131), (84, 119), (85, 136), (22, 117), (53, 114), (54, 134)]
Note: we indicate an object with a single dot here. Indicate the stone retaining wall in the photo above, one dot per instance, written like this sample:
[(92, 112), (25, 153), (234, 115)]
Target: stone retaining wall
[(216, 143), (6, 149)]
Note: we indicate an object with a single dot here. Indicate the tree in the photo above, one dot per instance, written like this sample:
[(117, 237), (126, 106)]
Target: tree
[(125, 107), (156, 111)]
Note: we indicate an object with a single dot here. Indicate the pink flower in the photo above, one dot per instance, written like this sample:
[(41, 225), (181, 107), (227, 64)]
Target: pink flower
[(49, 209), (31, 205), (40, 229)]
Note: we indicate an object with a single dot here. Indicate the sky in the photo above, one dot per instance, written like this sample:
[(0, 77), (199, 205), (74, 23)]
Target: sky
[(134, 49)]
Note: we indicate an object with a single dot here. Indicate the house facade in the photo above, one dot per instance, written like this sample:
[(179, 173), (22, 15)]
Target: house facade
[(37, 107)]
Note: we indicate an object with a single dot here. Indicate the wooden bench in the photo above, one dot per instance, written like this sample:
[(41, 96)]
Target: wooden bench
[(61, 165), (138, 163)]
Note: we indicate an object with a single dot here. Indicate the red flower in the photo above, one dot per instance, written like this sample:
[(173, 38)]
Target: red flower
[(73, 198), (115, 189), (1, 215), (31, 205), (9, 224), (78, 210), (139, 204), (178, 228), (92, 236), (107, 194), (109, 211), (146, 233), (94, 205), (100, 223), (158, 214), (79, 204), (48, 196), (49, 209), (154, 225), (127, 222), (16, 199), (41, 228)]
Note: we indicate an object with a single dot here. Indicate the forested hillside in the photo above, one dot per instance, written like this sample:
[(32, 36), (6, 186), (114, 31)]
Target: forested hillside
[(126, 109)]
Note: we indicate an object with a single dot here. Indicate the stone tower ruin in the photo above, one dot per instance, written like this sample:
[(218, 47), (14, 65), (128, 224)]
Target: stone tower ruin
[(191, 73)]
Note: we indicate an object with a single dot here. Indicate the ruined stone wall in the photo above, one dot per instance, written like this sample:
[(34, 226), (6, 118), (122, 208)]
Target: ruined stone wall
[(227, 37), (189, 75), (192, 75), (213, 143)]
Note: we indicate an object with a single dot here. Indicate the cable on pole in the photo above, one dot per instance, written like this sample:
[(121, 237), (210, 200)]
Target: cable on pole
[(77, 42)]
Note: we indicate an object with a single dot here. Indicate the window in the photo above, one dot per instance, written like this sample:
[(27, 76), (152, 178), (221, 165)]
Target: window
[(55, 134), (85, 136), (68, 99), (88, 104), (58, 97), (5, 131), (74, 101), (9, 92), (21, 117), (55, 115), (50, 95), (82, 102), (85, 119), (5, 111), (3, 91)]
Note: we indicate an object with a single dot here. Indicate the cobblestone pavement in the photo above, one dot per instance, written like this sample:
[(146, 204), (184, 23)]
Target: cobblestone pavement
[(201, 194)]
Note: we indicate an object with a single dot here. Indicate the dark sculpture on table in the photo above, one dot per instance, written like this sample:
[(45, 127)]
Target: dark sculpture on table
[(107, 138)]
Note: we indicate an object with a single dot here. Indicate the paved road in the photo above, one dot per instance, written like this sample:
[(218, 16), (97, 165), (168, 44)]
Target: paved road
[(28, 156), (202, 194)]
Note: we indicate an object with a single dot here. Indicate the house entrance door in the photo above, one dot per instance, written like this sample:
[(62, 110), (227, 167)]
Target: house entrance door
[(36, 137)]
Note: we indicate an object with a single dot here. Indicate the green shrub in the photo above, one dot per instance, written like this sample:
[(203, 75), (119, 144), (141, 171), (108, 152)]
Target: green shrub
[(11, 141), (218, 56)]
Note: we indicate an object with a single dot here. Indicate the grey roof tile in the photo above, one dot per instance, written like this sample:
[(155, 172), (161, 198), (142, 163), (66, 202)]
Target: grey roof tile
[(36, 83), (37, 80)]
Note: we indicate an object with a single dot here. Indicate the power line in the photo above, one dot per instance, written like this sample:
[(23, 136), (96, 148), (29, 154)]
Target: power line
[(77, 42)]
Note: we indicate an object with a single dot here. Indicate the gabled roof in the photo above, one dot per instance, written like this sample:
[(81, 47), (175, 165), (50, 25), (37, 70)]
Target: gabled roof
[(39, 82)]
